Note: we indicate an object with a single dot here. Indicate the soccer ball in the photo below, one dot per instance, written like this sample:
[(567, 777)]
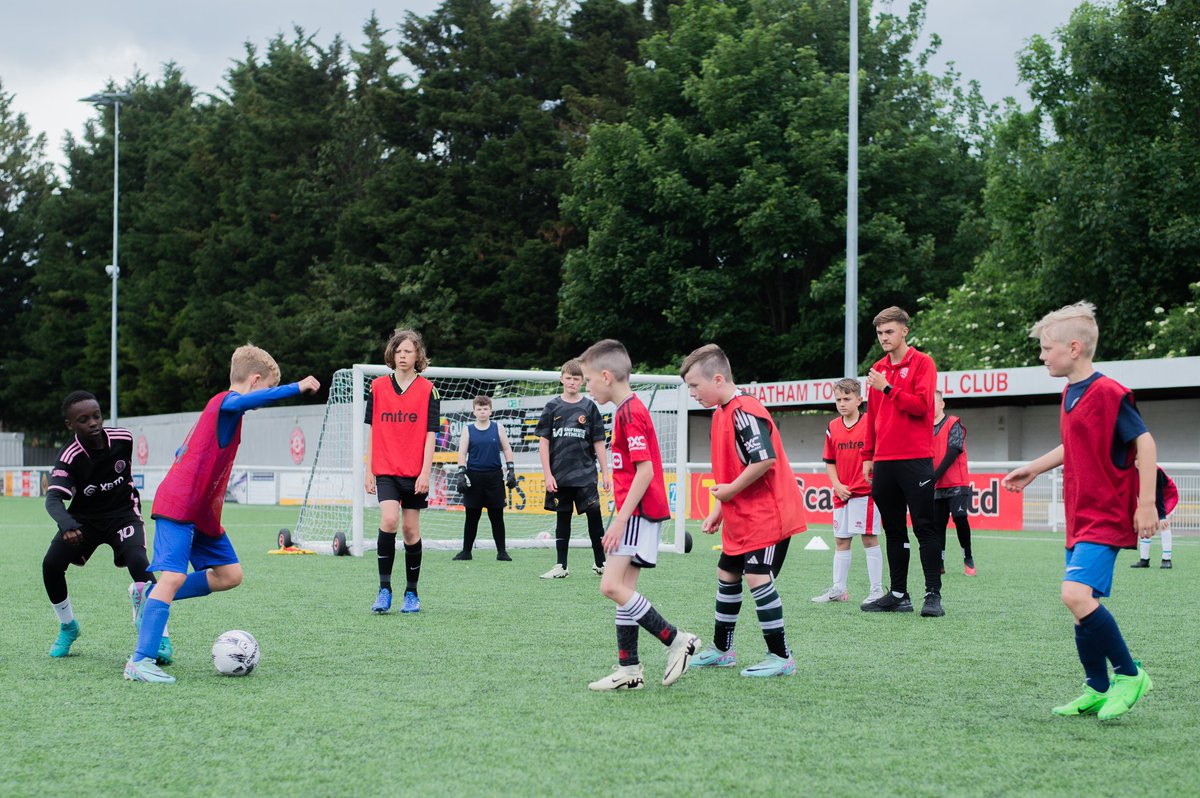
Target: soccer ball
[(235, 653)]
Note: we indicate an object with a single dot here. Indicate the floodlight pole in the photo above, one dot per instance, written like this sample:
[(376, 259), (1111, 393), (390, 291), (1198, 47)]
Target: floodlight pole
[(114, 269), (850, 365)]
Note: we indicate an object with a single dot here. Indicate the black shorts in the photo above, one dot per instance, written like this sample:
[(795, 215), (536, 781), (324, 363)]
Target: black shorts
[(400, 489), (583, 498), (487, 490), (760, 561), (125, 535), (957, 506)]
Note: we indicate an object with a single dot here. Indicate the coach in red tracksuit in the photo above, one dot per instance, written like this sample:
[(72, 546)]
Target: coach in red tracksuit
[(898, 461)]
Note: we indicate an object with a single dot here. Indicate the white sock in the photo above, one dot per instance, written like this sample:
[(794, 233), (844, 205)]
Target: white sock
[(875, 566), (841, 568), (63, 611), (1144, 548), (1166, 545)]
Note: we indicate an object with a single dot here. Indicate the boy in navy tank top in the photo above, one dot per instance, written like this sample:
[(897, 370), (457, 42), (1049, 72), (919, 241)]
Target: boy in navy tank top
[(1109, 469), (485, 469), (188, 503)]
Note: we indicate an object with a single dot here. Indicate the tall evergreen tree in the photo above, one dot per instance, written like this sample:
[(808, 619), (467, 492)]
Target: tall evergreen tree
[(26, 182)]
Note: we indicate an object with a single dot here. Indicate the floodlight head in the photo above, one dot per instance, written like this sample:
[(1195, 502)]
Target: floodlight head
[(105, 98)]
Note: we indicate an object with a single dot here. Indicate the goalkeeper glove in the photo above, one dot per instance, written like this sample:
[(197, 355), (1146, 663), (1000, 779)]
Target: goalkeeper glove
[(464, 481), (511, 480)]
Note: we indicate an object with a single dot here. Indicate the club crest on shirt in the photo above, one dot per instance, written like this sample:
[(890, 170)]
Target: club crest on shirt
[(904, 373), (582, 419), (119, 466)]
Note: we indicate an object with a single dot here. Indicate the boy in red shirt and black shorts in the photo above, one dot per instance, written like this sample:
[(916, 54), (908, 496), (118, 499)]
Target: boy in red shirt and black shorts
[(1109, 475), (758, 502)]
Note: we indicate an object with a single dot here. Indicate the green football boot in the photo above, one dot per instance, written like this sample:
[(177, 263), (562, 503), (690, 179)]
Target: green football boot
[(1087, 704), (1124, 692)]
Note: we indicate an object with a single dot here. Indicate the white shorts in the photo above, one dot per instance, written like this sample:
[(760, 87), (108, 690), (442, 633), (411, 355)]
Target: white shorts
[(858, 516), (640, 541)]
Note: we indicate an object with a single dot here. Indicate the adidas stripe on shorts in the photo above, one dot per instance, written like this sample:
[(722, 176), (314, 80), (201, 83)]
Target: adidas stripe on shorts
[(640, 541)]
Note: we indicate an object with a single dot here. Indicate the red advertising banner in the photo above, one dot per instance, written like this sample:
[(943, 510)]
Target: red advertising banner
[(991, 506)]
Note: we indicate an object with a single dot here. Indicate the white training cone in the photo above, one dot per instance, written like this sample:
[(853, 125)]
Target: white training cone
[(816, 544)]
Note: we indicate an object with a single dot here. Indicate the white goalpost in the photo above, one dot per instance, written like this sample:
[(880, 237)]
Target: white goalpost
[(336, 501)]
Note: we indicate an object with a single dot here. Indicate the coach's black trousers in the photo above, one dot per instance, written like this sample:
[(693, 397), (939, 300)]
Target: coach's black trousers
[(906, 486)]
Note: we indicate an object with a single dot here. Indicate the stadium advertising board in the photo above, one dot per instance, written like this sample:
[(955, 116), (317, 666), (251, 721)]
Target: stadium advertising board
[(991, 507)]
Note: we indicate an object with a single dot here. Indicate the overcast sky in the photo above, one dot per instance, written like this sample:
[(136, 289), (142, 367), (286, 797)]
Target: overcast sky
[(53, 53)]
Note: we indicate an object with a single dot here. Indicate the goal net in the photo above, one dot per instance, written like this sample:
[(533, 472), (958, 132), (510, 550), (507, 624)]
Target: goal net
[(336, 500)]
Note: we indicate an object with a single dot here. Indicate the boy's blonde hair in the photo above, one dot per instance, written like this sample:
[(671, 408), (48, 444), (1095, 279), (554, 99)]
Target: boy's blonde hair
[(608, 355), (399, 337), (482, 401), (712, 361), (848, 385), (249, 360), (894, 313), (1070, 323), (572, 368)]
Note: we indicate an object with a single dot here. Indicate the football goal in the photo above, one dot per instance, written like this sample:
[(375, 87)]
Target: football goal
[(336, 501)]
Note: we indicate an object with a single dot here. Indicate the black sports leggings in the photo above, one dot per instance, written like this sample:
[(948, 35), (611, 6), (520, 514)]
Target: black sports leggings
[(962, 525), (901, 486), (471, 526), (562, 536)]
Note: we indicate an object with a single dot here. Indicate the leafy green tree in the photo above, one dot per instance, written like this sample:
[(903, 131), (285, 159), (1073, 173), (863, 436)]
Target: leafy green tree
[(716, 212), (1092, 195), (1175, 333)]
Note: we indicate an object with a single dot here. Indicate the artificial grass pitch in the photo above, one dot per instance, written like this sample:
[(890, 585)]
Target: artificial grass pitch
[(484, 692)]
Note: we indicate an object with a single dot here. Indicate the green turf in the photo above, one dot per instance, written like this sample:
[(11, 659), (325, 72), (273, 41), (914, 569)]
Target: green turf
[(484, 692)]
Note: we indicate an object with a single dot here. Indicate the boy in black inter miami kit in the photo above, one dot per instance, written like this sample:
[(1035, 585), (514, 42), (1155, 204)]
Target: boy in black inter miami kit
[(95, 472), (571, 442)]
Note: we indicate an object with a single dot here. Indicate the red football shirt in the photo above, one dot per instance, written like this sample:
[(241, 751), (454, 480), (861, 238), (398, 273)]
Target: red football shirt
[(634, 441), (844, 448), (900, 422)]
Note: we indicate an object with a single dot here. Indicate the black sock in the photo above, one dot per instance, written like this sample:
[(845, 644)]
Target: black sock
[(562, 536), (642, 611), (627, 640), (770, 618), (496, 518), (729, 604), (385, 552), (412, 563), (471, 528), (962, 525), (596, 532)]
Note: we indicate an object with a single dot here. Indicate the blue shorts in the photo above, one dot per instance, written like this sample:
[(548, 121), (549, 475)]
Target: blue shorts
[(176, 544), (1090, 564)]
